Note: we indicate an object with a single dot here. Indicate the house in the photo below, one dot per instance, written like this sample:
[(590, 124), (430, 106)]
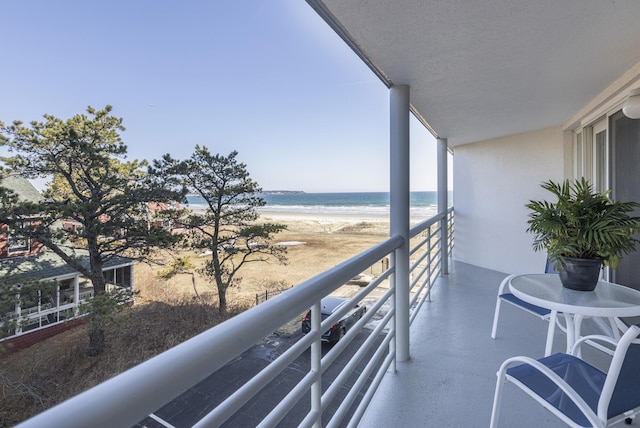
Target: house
[(11, 246), (27, 261), (518, 92), (156, 208), (153, 209)]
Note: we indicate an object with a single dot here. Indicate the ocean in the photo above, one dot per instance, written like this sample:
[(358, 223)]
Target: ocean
[(366, 204)]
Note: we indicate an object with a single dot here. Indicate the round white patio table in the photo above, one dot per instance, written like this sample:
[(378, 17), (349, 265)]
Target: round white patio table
[(608, 300)]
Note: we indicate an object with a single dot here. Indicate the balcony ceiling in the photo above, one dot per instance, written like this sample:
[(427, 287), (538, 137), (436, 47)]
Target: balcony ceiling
[(490, 68)]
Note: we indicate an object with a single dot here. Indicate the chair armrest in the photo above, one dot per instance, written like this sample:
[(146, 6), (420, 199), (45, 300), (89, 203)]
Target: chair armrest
[(593, 337), (504, 284)]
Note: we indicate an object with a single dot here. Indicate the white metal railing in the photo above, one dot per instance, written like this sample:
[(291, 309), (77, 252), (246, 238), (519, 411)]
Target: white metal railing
[(450, 229), (426, 258), (133, 395), (425, 265)]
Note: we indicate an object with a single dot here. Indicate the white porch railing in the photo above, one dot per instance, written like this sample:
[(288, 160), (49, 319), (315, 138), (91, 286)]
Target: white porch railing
[(129, 397), (56, 308)]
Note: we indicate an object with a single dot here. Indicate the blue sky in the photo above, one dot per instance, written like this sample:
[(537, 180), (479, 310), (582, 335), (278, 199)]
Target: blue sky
[(266, 78)]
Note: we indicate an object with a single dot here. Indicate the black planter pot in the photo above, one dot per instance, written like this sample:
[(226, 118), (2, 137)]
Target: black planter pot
[(580, 274)]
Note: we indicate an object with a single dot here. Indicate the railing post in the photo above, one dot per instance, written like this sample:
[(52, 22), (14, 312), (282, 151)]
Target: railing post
[(399, 210), (316, 360), (443, 196), (392, 282)]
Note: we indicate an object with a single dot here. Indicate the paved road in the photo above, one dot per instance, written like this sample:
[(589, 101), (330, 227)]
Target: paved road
[(194, 404)]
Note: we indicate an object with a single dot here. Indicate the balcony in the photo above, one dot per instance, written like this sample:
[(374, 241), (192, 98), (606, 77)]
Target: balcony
[(448, 380)]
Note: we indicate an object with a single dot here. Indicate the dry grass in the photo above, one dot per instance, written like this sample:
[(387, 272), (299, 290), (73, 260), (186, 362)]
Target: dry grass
[(58, 368), (166, 313)]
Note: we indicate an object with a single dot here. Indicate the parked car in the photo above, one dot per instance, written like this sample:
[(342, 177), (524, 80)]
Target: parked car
[(328, 306)]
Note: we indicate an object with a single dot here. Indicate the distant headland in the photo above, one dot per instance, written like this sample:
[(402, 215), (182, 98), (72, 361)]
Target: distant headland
[(282, 192)]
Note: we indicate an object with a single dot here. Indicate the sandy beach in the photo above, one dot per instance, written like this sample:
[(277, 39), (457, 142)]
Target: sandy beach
[(314, 243)]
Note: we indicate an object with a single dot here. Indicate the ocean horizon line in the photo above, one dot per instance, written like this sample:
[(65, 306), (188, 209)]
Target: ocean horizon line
[(330, 193), (375, 204)]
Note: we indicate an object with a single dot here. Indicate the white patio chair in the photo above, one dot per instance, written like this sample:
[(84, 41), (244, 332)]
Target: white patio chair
[(578, 393), (542, 313)]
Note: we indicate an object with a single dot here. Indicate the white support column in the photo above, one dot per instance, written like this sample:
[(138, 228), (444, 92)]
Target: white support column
[(443, 204), (399, 141)]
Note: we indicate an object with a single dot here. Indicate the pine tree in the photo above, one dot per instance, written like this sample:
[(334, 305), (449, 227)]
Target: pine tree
[(229, 228), (93, 185)]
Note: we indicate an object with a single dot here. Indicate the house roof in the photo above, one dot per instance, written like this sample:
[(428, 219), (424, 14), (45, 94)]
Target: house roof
[(22, 187), (485, 69), (49, 265)]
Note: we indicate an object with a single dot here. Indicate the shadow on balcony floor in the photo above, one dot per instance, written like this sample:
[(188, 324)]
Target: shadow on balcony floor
[(450, 378)]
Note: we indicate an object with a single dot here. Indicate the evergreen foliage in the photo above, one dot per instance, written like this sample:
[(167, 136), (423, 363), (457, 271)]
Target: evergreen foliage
[(107, 197), (229, 228)]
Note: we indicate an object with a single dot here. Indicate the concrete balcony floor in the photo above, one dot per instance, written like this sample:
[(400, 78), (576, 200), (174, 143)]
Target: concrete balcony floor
[(451, 376)]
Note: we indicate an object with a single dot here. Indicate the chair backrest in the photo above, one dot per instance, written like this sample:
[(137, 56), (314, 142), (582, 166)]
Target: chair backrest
[(621, 391), (550, 267)]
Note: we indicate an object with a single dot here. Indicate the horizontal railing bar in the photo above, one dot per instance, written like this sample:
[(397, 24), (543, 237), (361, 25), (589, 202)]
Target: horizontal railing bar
[(420, 273), (359, 383), (431, 230), (374, 284), (417, 277), (330, 321), (419, 259), (365, 291), (288, 402), (425, 224), (328, 359), (416, 295), (242, 395), (415, 311), (420, 244), (428, 283), (366, 399), (337, 383), (423, 270)]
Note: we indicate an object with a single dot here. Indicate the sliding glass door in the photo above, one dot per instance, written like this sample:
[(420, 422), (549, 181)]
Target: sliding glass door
[(625, 184)]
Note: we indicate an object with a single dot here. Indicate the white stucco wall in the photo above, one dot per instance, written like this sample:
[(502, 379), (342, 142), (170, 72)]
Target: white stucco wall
[(493, 180)]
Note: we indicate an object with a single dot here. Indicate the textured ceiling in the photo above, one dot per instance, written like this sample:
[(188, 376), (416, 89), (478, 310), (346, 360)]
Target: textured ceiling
[(485, 69)]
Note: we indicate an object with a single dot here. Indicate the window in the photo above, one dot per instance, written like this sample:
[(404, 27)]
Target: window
[(600, 158), (579, 155), (15, 243), (591, 155), (119, 276)]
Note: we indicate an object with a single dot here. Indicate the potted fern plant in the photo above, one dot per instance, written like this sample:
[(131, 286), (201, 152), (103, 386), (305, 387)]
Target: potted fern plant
[(582, 230)]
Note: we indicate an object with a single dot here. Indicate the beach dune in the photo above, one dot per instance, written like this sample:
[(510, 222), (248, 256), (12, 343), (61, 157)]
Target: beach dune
[(314, 243)]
